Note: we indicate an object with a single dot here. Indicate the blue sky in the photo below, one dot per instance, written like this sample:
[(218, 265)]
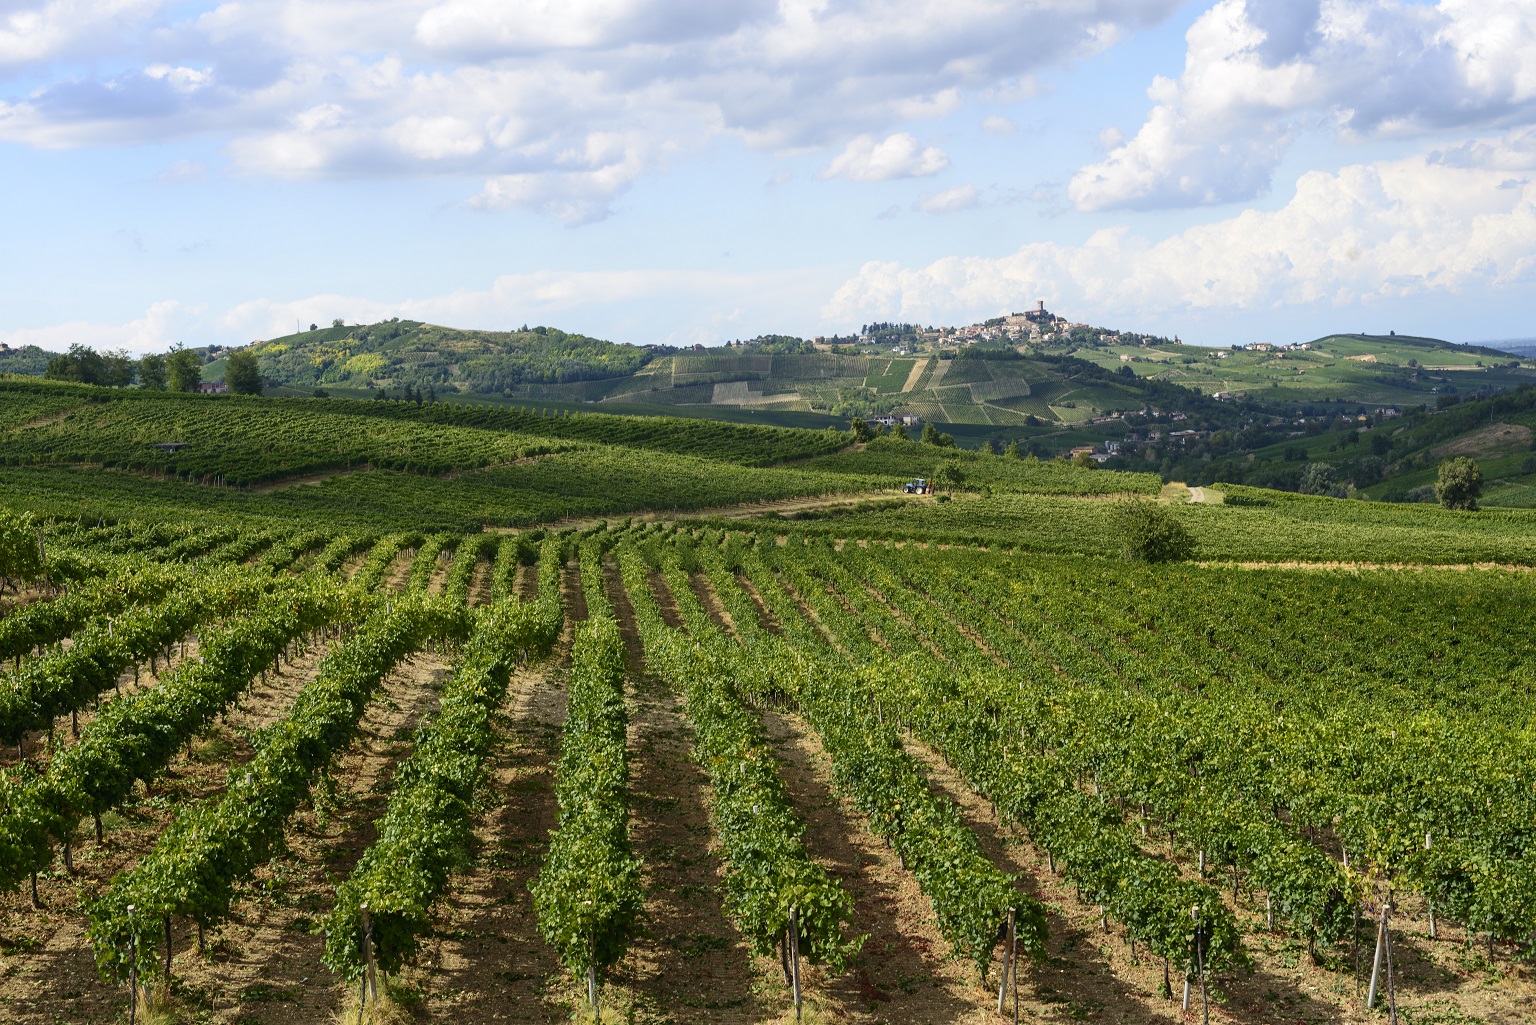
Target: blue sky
[(651, 170)]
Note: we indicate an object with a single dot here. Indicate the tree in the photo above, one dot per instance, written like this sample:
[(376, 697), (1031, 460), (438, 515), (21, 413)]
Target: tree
[(118, 368), (861, 430), (1368, 471), (930, 434), (313, 326), (152, 371), (1460, 484), (183, 370), (1151, 533), (948, 476), (81, 364), (1319, 479), (1012, 451), (242, 372), (338, 322)]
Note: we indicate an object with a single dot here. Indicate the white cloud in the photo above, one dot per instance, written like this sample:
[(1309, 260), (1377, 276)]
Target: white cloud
[(1257, 72), (1441, 223), (696, 306), (312, 88), (65, 28), (898, 156), (183, 80), (159, 327), (962, 197), (996, 124)]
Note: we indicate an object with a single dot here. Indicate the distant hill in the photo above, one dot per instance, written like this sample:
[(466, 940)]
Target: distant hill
[(1522, 347), (1372, 370), (28, 359), (981, 387), (401, 353)]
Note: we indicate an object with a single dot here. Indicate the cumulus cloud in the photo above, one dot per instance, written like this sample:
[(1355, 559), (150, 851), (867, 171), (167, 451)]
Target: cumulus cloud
[(996, 124), (67, 28), (898, 156), (962, 197), (696, 305), (159, 327), (1436, 223), (1257, 72), (520, 93)]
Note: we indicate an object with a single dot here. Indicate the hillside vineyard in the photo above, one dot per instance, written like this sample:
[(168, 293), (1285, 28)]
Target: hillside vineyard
[(704, 771)]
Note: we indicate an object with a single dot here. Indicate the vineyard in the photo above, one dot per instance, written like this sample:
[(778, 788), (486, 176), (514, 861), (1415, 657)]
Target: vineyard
[(730, 772)]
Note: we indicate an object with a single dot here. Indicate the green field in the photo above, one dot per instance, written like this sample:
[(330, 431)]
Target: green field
[(570, 705), (1373, 370)]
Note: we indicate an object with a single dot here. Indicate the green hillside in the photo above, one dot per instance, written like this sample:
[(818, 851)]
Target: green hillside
[(1145, 404), (990, 387), (28, 360), (400, 353), (1393, 459), (1375, 370)]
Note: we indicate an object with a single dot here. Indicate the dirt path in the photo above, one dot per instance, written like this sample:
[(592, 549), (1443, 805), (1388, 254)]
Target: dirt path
[(747, 510), (902, 976), (266, 963), (309, 479), (486, 960), (398, 575), (480, 581), (690, 964)]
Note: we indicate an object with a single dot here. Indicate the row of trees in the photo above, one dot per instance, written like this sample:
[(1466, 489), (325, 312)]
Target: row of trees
[(180, 369)]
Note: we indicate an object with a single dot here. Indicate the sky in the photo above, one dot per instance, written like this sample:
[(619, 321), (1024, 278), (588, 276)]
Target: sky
[(665, 171)]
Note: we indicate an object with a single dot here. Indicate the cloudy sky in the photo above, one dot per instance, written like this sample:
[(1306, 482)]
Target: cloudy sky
[(659, 170)]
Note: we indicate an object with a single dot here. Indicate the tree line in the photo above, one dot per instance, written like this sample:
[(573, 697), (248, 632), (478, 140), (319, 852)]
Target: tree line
[(178, 370)]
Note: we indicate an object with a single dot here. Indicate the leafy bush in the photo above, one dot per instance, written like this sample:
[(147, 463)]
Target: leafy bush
[(1152, 534), (1460, 484)]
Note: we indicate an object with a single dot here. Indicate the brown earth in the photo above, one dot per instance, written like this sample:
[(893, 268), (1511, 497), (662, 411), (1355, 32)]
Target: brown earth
[(1498, 439)]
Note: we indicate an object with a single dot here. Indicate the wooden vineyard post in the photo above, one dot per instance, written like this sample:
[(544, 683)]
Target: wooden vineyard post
[(1391, 989), (1429, 904), (1201, 946), (370, 972), (1010, 964), (794, 959), (167, 953), (1381, 940), (133, 972), (1013, 959)]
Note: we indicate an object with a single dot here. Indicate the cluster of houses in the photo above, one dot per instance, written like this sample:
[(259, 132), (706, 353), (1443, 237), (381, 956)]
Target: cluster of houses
[(892, 419), (1272, 347)]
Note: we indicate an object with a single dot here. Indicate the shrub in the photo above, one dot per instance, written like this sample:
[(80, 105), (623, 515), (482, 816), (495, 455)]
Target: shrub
[(1151, 533), (1460, 484)]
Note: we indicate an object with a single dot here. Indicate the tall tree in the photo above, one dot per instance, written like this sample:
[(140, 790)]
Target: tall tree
[(1460, 484), (183, 370), (118, 368), (242, 373), (81, 364), (152, 371)]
